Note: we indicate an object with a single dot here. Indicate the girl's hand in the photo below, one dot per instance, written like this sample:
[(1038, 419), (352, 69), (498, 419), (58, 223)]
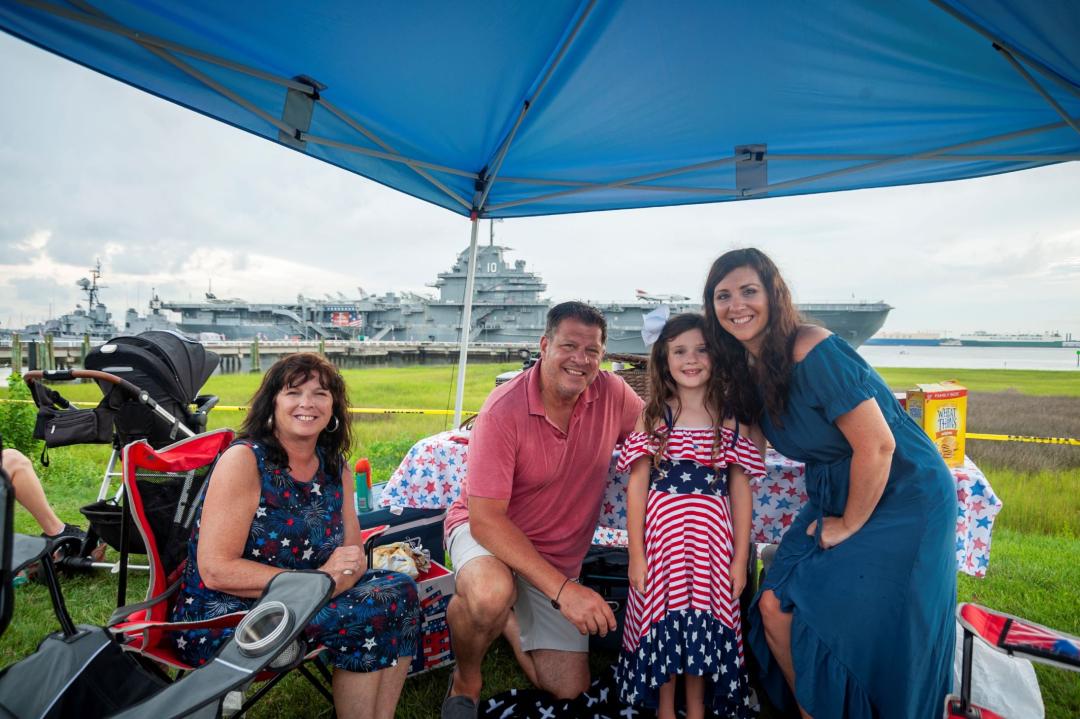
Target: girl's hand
[(738, 579), (636, 573), (345, 565), (833, 531)]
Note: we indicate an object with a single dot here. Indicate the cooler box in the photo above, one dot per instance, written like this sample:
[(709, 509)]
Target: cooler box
[(423, 526), (436, 588), (941, 410)]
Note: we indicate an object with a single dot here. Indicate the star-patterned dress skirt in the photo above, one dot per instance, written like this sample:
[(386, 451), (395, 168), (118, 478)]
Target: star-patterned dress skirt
[(687, 622), (297, 526)]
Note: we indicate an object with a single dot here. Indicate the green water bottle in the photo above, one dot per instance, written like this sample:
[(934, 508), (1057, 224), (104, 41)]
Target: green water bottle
[(363, 485)]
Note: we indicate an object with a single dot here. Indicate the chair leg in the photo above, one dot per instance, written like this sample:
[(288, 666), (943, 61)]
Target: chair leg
[(259, 693), (965, 672)]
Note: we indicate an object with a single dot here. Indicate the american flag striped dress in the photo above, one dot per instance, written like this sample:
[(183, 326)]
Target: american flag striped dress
[(687, 622)]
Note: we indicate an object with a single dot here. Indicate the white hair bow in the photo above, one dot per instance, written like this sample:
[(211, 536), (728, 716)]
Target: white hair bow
[(653, 324)]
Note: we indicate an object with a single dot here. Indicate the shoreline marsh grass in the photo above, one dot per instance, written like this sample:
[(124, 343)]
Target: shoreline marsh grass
[(1034, 571)]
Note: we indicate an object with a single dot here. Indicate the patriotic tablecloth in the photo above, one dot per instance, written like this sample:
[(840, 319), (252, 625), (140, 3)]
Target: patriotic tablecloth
[(430, 477)]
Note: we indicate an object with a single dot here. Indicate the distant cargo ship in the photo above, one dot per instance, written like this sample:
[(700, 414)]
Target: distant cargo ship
[(1026, 339), (507, 307), (975, 339), (905, 339)]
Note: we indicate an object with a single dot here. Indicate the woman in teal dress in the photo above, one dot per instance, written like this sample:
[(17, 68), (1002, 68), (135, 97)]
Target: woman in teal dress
[(855, 616)]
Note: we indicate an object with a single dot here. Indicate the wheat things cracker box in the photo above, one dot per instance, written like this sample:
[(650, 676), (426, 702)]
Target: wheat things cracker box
[(941, 410)]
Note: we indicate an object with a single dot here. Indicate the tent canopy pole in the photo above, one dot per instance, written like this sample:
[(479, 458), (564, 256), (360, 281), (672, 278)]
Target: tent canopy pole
[(466, 321)]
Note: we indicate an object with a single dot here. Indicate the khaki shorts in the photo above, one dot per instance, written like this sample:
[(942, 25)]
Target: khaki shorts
[(542, 625)]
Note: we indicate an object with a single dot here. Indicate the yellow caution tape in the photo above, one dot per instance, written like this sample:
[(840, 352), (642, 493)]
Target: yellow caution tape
[(1024, 438)]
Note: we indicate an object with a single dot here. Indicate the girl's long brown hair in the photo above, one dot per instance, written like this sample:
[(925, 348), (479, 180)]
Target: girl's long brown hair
[(772, 370), (290, 371), (664, 393)]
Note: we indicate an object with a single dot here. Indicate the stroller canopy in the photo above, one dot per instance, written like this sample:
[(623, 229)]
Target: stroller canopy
[(501, 109), (164, 363)]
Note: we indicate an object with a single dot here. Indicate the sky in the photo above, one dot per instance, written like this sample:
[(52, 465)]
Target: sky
[(167, 199)]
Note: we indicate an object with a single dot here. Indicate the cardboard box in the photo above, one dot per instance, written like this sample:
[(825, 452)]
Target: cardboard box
[(941, 410), (436, 587)]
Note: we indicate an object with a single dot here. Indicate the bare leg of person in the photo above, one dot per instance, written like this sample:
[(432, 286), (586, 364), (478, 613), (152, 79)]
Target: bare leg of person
[(666, 705), (28, 491), (477, 615), (389, 691), (564, 674), (354, 693), (695, 696), (512, 635), (778, 636)]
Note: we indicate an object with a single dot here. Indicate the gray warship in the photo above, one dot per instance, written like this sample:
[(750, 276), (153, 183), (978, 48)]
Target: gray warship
[(94, 320), (508, 307)]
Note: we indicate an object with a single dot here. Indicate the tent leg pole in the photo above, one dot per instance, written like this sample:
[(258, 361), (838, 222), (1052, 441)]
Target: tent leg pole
[(466, 321)]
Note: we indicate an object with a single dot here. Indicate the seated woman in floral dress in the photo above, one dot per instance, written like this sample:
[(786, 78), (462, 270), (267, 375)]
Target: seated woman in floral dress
[(280, 498)]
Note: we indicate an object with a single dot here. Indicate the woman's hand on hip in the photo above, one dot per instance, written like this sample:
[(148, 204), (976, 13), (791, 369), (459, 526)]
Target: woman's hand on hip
[(345, 566), (833, 531)]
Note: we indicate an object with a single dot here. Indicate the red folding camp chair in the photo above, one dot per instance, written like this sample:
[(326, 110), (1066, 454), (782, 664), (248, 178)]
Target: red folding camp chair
[(1013, 636), (145, 627)]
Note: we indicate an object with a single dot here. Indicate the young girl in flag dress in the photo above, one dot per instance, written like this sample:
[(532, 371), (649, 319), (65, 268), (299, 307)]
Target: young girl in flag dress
[(688, 521)]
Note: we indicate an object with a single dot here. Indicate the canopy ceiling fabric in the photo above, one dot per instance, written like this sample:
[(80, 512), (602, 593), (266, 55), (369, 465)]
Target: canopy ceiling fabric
[(569, 106)]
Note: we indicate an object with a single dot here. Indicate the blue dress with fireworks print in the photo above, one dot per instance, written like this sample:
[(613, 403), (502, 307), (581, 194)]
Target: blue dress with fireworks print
[(297, 526)]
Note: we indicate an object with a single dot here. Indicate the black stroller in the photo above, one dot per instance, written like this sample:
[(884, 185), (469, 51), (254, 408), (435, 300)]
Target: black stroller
[(149, 383)]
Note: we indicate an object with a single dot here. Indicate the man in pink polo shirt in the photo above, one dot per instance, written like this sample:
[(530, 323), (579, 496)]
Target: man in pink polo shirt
[(538, 460)]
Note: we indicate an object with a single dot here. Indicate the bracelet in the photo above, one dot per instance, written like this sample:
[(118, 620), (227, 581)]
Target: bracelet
[(555, 602)]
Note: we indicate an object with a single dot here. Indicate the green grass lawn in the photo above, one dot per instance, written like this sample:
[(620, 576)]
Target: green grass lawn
[(1030, 382), (1034, 569)]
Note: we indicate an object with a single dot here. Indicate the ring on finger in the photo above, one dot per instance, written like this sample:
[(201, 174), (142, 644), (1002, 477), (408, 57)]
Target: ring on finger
[(347, 572)]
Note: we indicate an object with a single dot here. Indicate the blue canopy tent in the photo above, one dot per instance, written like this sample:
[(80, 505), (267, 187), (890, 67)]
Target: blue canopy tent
[(508, 109)]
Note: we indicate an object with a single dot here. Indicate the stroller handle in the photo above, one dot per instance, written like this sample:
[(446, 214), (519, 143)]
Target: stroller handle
[(61, 375)]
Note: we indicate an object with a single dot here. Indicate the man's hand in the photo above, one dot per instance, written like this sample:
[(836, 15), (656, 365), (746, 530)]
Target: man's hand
[(636, 572), (586, 610)]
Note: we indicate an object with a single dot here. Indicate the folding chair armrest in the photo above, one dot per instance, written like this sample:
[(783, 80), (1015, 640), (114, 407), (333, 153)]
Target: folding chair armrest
[(121, 614), (1018, 636)]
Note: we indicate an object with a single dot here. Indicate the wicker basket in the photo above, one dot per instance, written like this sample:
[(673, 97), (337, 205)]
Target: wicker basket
[(636, 373)]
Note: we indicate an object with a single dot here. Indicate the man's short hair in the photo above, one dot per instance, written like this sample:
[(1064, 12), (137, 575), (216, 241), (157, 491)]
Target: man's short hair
[(586, 314)]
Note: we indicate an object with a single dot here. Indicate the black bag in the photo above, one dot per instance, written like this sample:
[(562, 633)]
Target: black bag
[(604, 570), (59, 424)]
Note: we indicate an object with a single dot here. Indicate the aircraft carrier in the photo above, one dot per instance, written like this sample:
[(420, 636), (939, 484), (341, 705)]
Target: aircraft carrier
[(508, 306)]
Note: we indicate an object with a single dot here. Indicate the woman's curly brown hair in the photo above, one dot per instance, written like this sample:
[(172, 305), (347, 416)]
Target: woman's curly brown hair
[(290, 371), (664, 392), (731, 363)]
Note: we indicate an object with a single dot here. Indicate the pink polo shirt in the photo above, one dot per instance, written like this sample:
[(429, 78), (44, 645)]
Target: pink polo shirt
[(554, 481)]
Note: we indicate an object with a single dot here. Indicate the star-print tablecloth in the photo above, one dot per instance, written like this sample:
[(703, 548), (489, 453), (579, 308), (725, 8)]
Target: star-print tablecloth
[(430, 477)]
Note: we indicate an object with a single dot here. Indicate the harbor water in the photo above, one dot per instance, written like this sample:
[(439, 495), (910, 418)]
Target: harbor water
[(1040, 358)]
